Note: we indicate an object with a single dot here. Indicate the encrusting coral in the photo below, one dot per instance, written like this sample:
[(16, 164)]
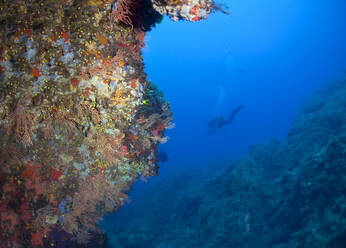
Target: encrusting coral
[(79, 121), (192, 10)]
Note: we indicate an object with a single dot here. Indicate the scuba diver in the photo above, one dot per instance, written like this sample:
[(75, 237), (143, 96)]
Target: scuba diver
[(219, 122)]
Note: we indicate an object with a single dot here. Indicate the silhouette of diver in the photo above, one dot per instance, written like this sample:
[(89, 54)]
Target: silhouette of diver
[(219, 122)]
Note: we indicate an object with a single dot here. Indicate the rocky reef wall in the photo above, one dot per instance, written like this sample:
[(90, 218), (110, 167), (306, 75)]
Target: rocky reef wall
[(79, 121)]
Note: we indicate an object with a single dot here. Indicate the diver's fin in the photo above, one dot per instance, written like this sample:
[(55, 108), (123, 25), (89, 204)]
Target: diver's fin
[(234, 112)]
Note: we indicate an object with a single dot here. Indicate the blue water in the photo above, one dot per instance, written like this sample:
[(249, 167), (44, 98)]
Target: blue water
[(267, 55)]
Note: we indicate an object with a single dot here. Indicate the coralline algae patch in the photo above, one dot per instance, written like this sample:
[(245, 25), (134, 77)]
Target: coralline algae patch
[(79, 122)]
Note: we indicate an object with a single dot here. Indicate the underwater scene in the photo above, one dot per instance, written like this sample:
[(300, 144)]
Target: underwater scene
[(172, 124)]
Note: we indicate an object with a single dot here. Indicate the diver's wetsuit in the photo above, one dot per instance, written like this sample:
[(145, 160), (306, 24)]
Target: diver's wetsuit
[(219, 122)]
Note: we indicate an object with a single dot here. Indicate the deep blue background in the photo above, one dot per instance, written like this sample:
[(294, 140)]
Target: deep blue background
[(268, 55)]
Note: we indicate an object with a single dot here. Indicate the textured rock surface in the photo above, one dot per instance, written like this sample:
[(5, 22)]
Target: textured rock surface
[(79, 122)]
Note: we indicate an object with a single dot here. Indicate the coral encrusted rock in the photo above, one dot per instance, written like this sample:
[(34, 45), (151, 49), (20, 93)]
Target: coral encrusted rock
[(79, 121)]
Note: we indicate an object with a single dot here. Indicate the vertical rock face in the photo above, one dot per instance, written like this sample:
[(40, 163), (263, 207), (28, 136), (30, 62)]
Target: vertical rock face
[(79, 121)]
